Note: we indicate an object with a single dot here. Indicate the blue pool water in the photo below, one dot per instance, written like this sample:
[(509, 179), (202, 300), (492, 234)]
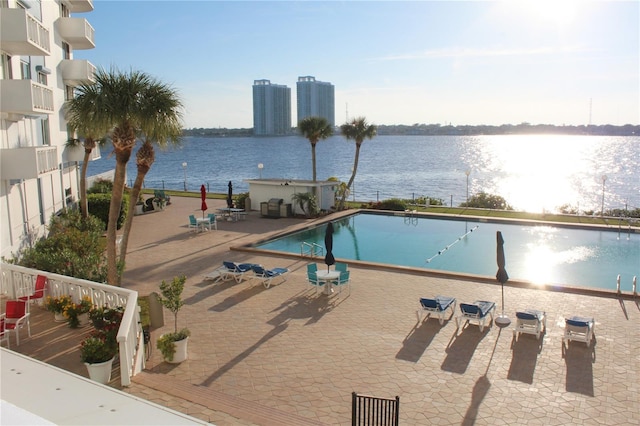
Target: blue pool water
[(536, 253)]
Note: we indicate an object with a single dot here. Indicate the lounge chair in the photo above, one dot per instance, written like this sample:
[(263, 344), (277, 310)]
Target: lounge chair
[(579, 328), (437, 306), (477, 312), (237, 271), (266, 276), (218, 275), (530, 321)]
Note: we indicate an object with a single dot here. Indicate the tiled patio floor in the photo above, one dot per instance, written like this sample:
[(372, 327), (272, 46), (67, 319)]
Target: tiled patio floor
[(288, 356)]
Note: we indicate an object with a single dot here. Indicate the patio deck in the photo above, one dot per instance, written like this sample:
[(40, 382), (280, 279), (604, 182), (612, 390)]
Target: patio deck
[(288, 356)]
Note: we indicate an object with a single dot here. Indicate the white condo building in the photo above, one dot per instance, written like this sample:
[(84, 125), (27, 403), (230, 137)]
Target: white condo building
[(316, 99), (39, 176), (271, 109)]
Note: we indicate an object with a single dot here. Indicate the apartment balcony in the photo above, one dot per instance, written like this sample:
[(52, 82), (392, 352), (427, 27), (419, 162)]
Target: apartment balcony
[(25, 97), (76, 153), (77, 71), (29, 163), (22, 34), (77, 32), (79, 6)]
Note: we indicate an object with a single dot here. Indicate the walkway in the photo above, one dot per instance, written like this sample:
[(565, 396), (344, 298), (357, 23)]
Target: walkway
[(287, 356)]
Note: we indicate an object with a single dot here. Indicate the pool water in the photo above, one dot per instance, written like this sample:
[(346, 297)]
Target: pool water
[(535, 253)]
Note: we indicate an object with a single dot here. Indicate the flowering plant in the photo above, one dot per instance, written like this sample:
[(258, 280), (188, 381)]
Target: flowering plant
[(57, 304), (97, 348), (72, 310)]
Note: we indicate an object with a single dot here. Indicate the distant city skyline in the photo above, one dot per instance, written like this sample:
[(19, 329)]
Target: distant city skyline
[(560, 62)]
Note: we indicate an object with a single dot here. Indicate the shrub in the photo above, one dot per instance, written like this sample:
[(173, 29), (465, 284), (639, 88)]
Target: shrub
[(483, 200), (101, 186), (240, 200), (99, 207), (394, 204)]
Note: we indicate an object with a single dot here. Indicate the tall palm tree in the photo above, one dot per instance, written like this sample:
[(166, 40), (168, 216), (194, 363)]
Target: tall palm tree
[(161, 125), (315, 129), (119, 103), (359, 130), (80, 115)]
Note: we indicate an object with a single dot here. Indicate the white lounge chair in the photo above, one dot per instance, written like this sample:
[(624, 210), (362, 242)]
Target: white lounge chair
[(530, 321), (237, 270), (437, 306), (579, 328), (477, 312), (218, 275)]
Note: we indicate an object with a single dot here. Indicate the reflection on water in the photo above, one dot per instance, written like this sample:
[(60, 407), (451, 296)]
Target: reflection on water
[(539, 254)]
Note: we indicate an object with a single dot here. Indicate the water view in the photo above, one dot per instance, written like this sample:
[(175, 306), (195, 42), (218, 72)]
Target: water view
[(533, 173)]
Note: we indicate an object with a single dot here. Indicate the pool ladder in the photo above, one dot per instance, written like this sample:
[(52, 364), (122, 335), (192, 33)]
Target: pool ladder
[(634, 283), (311, 249)]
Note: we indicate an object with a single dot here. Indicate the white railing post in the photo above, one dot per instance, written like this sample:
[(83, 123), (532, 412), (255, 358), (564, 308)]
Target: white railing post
[(635, 288), (618, 284)]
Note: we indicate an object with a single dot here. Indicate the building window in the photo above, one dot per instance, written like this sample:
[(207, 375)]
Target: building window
[(46, 137), (42, 78), (5, 68), (69, 93), (66, 50), (25, 70)]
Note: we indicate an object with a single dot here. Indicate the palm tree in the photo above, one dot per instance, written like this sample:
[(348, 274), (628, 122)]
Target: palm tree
[(359, 130), (80, 118), (161, 126), (315, 129), (120, 103)]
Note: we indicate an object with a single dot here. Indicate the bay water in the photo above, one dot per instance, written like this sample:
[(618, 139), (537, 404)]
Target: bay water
[(533, 173)]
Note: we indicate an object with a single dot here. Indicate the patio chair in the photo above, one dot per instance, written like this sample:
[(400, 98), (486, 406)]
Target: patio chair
[(477, 312), (266, 276), (237, 271), (343, 281), (213, 222), (342, 267), (312, 267), (38, 293), (16, 317), (579, 328), (530, 321), (193, 223), (437, 306), (4, 336), (312, 278), (217, 275)]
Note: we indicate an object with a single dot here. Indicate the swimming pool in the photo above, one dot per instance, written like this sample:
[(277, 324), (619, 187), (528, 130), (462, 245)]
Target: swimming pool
[(535, 253)]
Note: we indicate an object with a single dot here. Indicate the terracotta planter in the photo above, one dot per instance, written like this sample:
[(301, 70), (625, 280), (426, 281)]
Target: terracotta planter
[(100, 372)]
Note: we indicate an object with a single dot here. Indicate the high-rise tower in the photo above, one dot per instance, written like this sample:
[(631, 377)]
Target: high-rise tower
[(271, 108), (316, 98)]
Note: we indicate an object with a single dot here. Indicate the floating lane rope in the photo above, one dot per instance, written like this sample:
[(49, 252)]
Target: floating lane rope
[(450, 245)]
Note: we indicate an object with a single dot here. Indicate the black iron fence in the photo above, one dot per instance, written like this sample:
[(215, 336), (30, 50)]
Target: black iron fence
[(374, 411)]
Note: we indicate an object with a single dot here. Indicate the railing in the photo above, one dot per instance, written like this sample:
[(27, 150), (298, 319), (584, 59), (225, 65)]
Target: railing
[(37, 33), (370, 410), (311, 249), (17, 281)]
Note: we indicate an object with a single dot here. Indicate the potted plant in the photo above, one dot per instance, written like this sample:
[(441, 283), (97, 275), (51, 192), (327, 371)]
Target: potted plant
[(57, 305), (77, 314), (140, 205), (173, 345), (159, 202), (97, 352)]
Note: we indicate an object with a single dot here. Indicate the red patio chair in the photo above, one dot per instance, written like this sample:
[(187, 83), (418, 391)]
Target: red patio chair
[(38, 292), (16, 317)]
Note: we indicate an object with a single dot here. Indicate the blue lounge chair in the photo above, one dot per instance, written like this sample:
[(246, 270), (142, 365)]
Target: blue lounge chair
[(237, 271), (266, 276), (579, 328), (531, 322), (437, 306), (477, 312)]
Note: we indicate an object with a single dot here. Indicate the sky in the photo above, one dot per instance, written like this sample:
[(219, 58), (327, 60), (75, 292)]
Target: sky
[(559, 62)]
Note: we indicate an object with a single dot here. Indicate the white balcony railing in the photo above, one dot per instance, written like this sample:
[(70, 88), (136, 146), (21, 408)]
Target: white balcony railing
[(29, 162), (77, 32), (18, 281), (77, 71), (25, 97), (22, 34)]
